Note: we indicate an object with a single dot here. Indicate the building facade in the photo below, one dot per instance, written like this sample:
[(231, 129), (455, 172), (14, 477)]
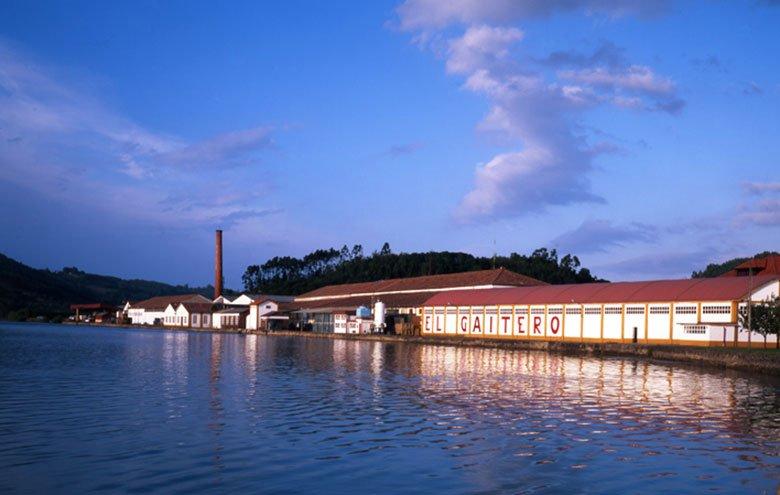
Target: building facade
[(685, 312)]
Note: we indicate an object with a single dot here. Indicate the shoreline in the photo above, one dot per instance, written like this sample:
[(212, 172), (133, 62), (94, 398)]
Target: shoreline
[(753, 360)]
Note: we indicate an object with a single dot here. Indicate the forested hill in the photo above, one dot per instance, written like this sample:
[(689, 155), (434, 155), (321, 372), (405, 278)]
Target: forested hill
[(28, 292), (288, 275), (718, 269)]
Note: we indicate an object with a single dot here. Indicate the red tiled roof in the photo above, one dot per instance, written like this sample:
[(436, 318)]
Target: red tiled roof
[(159, 303), (406, 300), (699, 289), (92, 306), (499, 276), (261, 298), (768, 265), (197, 307)]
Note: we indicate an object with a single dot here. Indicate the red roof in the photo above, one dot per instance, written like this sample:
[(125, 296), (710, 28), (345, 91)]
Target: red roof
[(699, 289), (159, 303), (348, 304), (768, 265), (92, 306), (197, 307), (499, 276)]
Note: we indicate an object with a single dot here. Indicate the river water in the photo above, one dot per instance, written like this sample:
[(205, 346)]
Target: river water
[(97, 409)]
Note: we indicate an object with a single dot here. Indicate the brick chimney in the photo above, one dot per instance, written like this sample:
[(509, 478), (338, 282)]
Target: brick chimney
[(218, 265)]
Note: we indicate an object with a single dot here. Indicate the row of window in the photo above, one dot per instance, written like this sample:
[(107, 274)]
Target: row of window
[(609, 310), (716, 310)]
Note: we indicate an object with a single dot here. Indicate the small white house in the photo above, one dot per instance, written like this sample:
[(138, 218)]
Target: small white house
[(195, 315), (169, 317)]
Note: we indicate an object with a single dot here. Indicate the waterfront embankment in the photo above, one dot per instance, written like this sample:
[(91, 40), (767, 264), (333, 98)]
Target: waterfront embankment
[(763, 361)]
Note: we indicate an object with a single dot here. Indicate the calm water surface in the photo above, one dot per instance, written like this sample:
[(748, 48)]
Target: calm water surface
[(91, 409)]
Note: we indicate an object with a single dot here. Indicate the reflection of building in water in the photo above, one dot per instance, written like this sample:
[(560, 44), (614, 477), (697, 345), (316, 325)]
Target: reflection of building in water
[(690, 312), (605, 390), (216, 426)]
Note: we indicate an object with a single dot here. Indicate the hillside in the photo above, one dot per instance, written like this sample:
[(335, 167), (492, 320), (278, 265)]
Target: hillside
[(27, 292), (289, 275), (718, 269)]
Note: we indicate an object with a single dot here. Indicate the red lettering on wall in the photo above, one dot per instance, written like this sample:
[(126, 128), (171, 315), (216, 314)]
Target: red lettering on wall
[(537, 322), (438, 327), (555, 324), (477, 327), (520, 328), (506, 323), (464, 323), (490, 326)]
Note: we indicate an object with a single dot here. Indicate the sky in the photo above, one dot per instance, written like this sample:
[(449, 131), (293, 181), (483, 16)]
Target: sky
[(640, 136)]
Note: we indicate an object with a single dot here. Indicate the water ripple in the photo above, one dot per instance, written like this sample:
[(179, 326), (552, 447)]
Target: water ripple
[(100, 410)]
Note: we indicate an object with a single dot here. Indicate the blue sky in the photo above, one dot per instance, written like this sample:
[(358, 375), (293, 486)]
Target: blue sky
[(640, 136)]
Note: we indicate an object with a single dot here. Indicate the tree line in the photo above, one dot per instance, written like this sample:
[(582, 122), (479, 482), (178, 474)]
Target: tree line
[(287, 275)]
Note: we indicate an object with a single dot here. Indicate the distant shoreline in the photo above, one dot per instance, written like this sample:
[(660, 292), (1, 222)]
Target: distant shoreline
[(755, 360)]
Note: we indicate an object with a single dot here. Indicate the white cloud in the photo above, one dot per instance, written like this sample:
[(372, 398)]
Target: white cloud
[(636, 78), (553, 164), (600, 235), (765, 213), (479, 47), (761, 187), (417, 15), (62, 142)]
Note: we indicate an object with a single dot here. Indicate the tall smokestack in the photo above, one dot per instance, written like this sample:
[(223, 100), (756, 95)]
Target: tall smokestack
[(218, 266)]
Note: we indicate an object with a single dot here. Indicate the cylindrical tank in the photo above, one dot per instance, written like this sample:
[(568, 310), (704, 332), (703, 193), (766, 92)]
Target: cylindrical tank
[(379, 314)]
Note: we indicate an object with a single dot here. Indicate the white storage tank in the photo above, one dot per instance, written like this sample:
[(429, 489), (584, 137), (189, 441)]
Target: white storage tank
[(379, 314)]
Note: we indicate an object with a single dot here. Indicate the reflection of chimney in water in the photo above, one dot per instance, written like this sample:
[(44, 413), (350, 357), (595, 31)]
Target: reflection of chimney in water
[(218, 266)]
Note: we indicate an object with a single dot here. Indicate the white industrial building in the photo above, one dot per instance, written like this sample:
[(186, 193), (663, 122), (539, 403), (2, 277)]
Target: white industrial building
[(685, 312), (152, 311)]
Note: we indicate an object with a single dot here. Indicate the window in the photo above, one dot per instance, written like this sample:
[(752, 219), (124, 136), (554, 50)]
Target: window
[(716, 310), (537, 311), (659, 310), (635, 310), (613, 310), (592, 311), (695, 329), (555, 311), (573, 311), (685, 310)]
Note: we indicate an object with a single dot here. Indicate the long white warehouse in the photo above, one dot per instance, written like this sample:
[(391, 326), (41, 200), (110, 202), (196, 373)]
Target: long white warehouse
[(685, 312)]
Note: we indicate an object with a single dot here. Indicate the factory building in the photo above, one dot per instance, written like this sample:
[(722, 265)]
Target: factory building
[(152, 311), (685, 312), (329, 309)]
